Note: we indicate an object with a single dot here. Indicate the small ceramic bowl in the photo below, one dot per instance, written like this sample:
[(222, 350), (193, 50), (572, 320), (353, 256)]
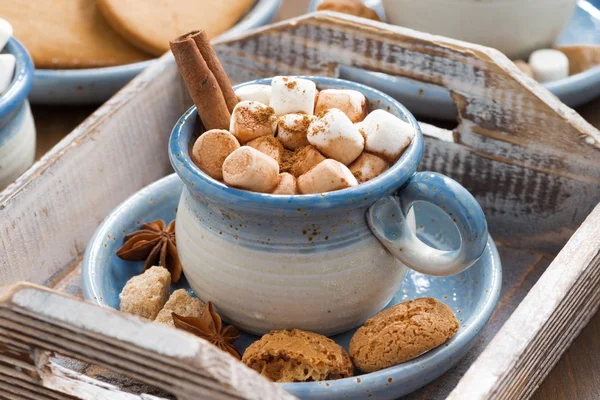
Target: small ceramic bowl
[(17, 130), (514, 27), (323, 262)]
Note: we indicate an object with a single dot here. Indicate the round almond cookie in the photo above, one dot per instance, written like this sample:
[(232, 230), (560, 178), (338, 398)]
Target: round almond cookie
[(401, 333), (149, 25), (298, 356), (67, 34)]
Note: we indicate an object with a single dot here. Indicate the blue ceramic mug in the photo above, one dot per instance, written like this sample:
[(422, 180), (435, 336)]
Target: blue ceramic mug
[(321, 262), (17, 130)]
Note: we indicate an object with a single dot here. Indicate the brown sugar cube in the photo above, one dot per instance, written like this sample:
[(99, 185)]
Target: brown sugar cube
[(292, 128), (327, 176), (251, 119), (287, 184), (180, 303), (352, 7), (298, 356), (211, 149), (146, 294), (268, 145), (248, 168), (402, 333), (368, 166), (304, 159), (524, 67), (351, 102)]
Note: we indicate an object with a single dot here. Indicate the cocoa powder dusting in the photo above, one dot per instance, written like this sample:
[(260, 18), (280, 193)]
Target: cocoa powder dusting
[(291, 85), (287, 160)]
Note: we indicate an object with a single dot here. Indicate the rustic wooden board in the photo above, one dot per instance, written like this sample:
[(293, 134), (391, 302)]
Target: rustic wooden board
[(531, 162)]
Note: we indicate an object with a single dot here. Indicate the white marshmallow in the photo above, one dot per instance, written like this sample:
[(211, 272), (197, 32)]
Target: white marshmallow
[(287, 184), (260, 93), (327, 176), (352, 102), (7, 70), (292, 95), (336, 136), (549, 65), (6, 31), (385, 134), (248, 168), (251, 119), (292, 129), (367, 167)]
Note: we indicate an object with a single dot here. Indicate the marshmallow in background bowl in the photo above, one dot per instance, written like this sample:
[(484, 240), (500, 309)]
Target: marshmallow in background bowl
[(7, 70), (6, 32), (334, 135), (385, 134), (549, 65), (255, 92), (292, 95)]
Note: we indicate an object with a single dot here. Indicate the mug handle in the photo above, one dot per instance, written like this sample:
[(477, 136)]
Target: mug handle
[(387, 220)]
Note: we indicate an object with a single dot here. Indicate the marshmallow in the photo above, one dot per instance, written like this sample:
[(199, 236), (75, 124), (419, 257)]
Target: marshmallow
[(292, 95), (6, 31), (292, 128), (549, 65), (260, 93), (251, 119), (211, 149), (385, 134), (524, 67), (248, 168), (268, 145), (368, 166), (7, 70), (327, 176), (287, 184), (336, 136), (304, 159), (351, 102)]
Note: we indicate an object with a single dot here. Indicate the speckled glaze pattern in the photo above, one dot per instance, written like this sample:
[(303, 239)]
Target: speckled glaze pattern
[(311, 261), (17, 130), (472, 294), (435, 102)]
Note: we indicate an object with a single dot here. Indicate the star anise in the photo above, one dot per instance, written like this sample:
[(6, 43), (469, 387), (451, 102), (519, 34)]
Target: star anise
[(210, 327), (154, 244)]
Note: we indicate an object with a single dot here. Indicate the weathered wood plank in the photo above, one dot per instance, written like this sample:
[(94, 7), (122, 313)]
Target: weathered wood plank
[(544, 324)]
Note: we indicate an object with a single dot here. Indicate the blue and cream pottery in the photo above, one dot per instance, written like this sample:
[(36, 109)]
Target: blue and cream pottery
[(17, 130), (323, 262)]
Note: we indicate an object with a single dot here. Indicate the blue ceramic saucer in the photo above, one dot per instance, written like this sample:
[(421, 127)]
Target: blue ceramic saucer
[(96, 85), (426, 100), (472, 294)]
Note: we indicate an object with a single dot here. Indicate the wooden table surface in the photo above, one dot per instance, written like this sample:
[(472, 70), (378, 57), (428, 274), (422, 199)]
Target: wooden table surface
[(577, 374)]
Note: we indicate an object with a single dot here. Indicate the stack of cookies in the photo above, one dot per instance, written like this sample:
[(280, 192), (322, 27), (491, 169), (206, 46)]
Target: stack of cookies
[(101, 33)]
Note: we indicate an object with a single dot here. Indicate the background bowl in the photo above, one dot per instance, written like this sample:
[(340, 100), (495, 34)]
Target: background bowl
[(17, 130), (515, 27), (96, 85)]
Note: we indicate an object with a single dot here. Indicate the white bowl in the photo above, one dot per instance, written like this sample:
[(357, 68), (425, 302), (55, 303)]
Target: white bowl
[(515, 27)]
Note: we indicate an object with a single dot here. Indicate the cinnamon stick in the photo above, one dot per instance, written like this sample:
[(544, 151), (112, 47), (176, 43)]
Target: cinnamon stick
[(201, 83), (203, 43)]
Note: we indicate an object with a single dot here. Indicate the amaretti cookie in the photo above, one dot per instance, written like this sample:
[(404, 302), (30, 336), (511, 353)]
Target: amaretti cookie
[(146, 294), (401, 333), (298, 356)]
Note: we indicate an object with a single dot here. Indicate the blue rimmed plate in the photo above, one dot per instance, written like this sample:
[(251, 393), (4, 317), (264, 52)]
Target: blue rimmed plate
[(472, 294), (432, 101), (96, 85)]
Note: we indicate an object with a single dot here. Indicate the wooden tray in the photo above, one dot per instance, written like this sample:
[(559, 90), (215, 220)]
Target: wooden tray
[(532, 163)]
